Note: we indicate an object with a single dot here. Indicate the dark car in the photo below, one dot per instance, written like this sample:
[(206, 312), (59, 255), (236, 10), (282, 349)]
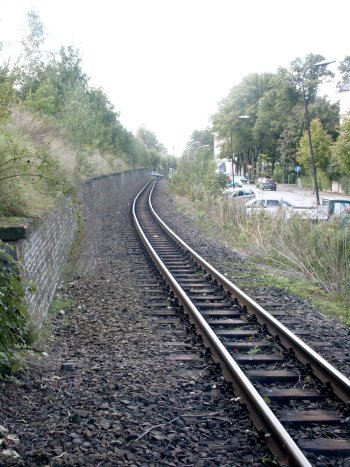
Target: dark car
[(235, 184), (267, 184)]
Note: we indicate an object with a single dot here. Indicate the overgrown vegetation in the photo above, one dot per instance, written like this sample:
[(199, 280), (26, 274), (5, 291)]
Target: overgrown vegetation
[(260, 130), (46, 100), (316, 254), (55, 131), (28, 176), (14, 333)]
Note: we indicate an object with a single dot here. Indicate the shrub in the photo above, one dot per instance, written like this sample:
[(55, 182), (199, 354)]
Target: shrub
[(13, 313), (28, 176)]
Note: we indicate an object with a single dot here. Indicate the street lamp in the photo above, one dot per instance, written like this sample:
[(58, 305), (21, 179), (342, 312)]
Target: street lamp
[(307, 120)]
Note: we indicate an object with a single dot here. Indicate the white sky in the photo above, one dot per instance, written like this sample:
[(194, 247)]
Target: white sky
[(167, 63)]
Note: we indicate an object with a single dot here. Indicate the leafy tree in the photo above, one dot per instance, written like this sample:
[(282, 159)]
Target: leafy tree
[(239, 136), (306, 75), (275, 108), (148, 138), (327, 113), (344, 69), (243, 99), (168, 161), (66, 73), (199, 139), (341, 150), (321, 141), (130, 146), (20, 162), (107, 127), (31, 63), (154, 155), (7, 93), (57, 80), (288, 142), (43, 99)]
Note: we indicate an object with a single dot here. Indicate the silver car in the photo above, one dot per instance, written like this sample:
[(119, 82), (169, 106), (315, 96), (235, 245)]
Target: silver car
[(268, 205)]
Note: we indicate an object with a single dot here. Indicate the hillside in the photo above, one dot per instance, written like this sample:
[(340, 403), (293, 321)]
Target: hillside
[(30, 141)]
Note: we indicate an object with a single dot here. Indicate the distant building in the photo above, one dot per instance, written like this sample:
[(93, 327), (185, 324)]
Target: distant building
[(223, 165)]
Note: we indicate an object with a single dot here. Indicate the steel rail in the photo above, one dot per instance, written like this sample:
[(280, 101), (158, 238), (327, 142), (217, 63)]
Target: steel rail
[(326, 372), (277, 438)]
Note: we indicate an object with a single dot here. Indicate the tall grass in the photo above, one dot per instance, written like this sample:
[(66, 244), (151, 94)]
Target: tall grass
[(318, 252)]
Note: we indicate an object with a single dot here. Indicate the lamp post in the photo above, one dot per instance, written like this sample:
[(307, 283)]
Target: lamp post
[(307, 121), (313, 162)]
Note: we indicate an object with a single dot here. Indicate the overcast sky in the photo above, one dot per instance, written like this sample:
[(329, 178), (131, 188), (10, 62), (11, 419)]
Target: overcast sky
[(167, 63)]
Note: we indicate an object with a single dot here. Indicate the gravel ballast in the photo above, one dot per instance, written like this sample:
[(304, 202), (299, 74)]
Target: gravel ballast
[(99, 389)]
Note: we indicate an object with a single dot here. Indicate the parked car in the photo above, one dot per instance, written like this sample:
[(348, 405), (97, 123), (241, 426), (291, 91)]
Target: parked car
[(267, 184), (336, 206), (235, 184), (268, 205), (245, 180), (242, 193)]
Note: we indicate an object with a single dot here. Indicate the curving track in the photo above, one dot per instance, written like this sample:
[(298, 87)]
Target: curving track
[(286, 385)]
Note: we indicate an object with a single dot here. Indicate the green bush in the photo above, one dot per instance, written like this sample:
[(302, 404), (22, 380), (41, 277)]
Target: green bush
[(345, 183), (13, 313), (29, 176)]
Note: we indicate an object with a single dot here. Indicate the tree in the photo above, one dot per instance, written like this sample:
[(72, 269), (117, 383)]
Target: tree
[(341, 149), (327, 113), (238, 137), (31, 63), (274, 111), (149, 140), (306, 75), (289, 139), (321, 141), (19, 162), (7, 93), (344, 69)]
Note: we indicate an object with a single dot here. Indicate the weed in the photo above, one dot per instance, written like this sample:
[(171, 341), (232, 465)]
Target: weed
[(254, 350), (59, 304), (310, 260)]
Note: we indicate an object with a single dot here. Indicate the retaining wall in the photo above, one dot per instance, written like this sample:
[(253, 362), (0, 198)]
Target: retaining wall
[(45, 251)]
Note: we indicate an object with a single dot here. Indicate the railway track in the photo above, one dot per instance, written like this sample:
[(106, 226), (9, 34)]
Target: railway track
[(297, 401)]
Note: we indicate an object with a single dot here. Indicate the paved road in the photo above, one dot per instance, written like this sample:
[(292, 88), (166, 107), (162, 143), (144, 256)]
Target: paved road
[(293, 194)]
